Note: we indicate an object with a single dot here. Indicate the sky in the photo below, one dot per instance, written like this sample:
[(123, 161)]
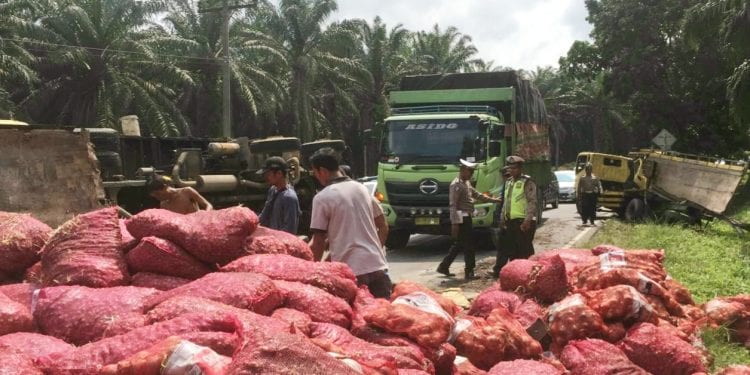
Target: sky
[(512, 33)]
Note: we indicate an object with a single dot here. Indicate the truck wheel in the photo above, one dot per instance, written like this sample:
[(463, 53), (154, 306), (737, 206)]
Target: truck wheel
[(556, 203), (635, 210), (397, 239), (274, 145)]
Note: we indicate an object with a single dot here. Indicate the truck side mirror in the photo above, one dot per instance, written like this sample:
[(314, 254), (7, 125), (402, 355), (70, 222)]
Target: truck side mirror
[(368, 135)]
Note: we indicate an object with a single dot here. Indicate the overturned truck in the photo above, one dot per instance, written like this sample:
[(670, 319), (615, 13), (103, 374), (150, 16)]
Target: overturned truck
[(56, 173)]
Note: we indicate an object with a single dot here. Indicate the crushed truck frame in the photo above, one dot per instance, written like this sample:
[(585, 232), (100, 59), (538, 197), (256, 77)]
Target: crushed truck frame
[(670, 185)]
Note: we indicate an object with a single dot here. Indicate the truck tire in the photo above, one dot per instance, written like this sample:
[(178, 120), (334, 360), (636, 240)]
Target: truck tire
[(397, 239), (274, 145), (635, 210)]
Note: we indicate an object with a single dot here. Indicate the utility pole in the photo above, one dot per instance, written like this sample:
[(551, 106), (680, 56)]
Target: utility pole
[(226, 12)]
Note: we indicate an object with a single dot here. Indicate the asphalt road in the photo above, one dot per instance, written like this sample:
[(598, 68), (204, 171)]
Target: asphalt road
[(561, 227)]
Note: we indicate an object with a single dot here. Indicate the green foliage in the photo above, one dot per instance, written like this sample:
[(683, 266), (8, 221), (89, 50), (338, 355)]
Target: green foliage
[(679, 65), (446, 51)]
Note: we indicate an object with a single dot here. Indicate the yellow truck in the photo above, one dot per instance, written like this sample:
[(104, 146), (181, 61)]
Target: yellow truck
[(667, 184)]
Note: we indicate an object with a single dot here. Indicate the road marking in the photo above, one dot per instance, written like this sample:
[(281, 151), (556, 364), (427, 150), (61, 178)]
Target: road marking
[(578, 237)]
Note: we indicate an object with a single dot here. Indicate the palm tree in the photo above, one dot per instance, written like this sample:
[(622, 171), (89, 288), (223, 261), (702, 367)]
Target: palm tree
[(446, 51), (730, 21), (383, 52), (16, 62), (197, 36), (98, 63), (320, 80)]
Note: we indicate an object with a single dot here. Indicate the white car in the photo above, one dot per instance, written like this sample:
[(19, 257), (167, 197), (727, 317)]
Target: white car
[(566, 181)]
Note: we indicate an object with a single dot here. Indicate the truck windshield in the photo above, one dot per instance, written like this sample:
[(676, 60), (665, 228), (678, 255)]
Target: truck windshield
[(430, 141)]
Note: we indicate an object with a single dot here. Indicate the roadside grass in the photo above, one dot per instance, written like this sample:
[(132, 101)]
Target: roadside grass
[(710, 261)]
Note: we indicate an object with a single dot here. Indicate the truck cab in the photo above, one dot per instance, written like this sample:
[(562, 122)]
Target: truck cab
[(419, 156)]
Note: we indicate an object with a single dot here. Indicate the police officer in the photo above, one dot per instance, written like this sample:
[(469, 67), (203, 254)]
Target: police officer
[(499, 241), (461, 196), (519, 214), (589, 188)]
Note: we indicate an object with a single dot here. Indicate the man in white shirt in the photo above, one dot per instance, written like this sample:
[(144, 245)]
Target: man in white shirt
[(352, 222)]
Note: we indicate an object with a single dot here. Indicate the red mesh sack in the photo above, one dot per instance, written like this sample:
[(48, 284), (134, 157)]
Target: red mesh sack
[(14, 317), (271, 241), (80, 315), (21, 238), (157, 281), (464, 367), (572, 319), (15, 362), (163, 257), (158, 359), (410, 371), (21, 293), (86, 251), (315, 302), (648, 346), (128, 241), (528, 312), (183, 305), (545, 280), (407, 287), (442, 357), (524, 366), (216, 236), (723, 310), (621, 303), (620, 260), (90, 358), (335, 339), (500, 337), (297, 319), (735, 370), (334, 277), (426, 325), (33, 274), (492, 298), (651, 255), (34, 345), (680, 293), (284, 353), (363, 302), (573, 258), (250, 291), (597, 357)]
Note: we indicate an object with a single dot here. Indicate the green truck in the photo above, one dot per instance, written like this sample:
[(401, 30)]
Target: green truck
[(437, 119)]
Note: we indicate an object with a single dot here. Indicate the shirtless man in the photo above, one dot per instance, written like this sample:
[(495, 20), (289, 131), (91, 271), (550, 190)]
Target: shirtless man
[(181, 200)]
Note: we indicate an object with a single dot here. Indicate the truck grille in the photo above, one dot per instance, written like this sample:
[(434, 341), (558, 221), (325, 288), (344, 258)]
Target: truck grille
[(408, 194)]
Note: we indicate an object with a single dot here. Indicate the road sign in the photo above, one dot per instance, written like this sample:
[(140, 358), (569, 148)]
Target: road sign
[(664, 140)]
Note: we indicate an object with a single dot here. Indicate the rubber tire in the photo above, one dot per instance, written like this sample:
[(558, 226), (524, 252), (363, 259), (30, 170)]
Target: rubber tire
[(556, 203), (635, 210), (274, 146), (397, 239), (310, 147)]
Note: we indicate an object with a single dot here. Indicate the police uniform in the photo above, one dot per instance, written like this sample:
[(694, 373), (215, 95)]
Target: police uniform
[(461, 198), (589, 188), (519, 205)]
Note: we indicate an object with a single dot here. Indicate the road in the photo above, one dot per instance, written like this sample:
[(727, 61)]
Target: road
[(561, 227)]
